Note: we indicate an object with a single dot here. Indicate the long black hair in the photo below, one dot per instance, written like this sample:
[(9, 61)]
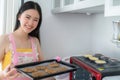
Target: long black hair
[(24, 7)]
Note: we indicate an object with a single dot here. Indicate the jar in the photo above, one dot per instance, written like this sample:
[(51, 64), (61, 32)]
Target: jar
[(116, 29)]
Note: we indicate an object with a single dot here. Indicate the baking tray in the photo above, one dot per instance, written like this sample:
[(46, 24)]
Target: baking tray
[(70, 68)]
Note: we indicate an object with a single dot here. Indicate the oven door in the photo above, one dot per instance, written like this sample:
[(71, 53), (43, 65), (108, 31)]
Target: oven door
[(81, 74)]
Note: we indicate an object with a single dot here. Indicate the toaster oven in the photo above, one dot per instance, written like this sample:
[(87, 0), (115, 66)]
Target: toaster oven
[(88, 70)]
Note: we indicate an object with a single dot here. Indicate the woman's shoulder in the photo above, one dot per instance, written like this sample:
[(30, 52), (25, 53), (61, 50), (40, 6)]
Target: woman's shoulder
[(36, 40), (4, 39)]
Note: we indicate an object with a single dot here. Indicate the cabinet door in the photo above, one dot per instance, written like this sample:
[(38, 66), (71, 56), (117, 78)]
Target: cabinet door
[(56, 3), (68, 2), (61, 5), (112, 8), (78, 6)]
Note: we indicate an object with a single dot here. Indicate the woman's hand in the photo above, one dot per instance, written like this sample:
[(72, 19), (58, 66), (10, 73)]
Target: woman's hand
[(9, 73)]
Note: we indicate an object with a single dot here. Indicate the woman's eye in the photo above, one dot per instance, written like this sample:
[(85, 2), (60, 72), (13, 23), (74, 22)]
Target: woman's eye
[(36, 20), (28, 17)]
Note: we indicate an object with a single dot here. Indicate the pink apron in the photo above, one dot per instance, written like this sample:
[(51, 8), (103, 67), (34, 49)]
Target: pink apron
[(22, 57)]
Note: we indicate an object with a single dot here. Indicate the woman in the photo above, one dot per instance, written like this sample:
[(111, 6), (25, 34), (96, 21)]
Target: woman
[(23, 45)]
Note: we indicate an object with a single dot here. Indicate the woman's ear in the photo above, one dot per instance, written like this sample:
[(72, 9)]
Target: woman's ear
[(19, 16)]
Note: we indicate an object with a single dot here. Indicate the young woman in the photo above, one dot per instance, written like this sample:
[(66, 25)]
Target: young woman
[(23, 45)]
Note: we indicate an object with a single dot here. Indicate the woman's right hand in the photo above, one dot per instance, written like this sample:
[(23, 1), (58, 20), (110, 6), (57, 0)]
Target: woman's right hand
[(10, 73)]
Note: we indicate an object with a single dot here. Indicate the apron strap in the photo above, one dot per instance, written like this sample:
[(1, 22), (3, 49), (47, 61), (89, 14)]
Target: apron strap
[(33, 49), (14, 53)]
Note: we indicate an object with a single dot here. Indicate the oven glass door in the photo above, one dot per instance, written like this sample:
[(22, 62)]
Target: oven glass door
[(81, 74)]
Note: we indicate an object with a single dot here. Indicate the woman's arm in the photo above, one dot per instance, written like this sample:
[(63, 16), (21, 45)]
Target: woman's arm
[(8, 73), (1, 75), (3, 42), (40, 55)]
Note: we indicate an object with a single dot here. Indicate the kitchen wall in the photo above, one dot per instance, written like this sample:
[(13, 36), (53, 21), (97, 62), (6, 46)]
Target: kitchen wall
[(102, 33), (70, 34), (64, 34)]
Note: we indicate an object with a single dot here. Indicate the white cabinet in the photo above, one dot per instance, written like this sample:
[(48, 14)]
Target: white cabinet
[(112, 7), (78, 6), (59, 6), (57, 3), (68, 2)]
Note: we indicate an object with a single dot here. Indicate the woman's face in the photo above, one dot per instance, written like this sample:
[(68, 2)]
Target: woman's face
[(29, 20)]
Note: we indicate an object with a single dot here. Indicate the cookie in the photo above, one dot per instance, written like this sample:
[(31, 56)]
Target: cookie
[(61, 69), (93, 58), (51, 70), (87, 55), (40, 67), (100, 62), (53, 64), (39, 74), (29, 69)]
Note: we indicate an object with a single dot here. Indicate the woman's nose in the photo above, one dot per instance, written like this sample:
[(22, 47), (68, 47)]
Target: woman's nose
[(31, 22)]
